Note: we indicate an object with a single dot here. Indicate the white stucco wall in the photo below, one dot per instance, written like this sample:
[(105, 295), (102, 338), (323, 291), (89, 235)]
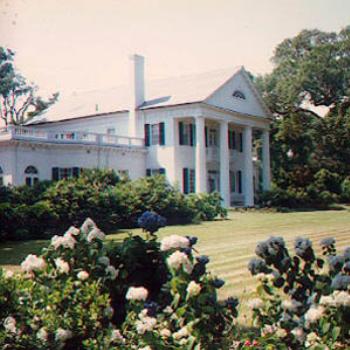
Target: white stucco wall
[(14, 159)]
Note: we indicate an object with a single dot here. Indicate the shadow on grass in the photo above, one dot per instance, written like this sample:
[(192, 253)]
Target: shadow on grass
[(13, 253)]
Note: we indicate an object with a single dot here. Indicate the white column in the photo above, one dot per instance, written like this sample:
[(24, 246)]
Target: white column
[(224, 164), (248, 188), (266, 172), (201, 162)]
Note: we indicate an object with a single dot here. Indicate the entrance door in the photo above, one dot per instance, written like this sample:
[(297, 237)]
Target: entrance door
[(213, 181)]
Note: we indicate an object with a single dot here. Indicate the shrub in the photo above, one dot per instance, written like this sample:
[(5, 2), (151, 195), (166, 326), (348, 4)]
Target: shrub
[(303, 298), (80, 294), (345, 190)]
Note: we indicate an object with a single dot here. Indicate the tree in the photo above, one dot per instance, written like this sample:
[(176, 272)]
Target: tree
[(18, 102), (311, 70)]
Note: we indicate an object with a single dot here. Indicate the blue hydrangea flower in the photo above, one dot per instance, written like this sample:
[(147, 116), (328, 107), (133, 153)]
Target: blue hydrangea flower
[(151, 222), (341, 282), (203, 259), (231, 302), (347, 253), (303, 248), (336, 263), (152, 308), (218, 283), (192, 239), (327, 242), (256, 266)]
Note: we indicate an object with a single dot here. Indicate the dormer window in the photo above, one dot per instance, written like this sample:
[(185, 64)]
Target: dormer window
[(239, 94)]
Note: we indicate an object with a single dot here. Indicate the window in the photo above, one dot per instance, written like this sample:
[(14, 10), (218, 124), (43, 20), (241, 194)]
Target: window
[(155, 134), (232, 181), (65, 173), (188, 180), (153, 172), (232, 139), (240, 142), (239, 94), (239, 175), (213, 138), (187, 133), (31, 175), (111, 131), (1, 177)]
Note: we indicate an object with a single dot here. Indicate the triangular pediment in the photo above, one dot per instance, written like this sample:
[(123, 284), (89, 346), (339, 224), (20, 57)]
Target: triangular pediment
[(238, 94)]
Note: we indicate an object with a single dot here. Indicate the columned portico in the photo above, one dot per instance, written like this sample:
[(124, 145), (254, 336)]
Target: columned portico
[(248, 187), (201, 162), (224, 164), (266, 172)]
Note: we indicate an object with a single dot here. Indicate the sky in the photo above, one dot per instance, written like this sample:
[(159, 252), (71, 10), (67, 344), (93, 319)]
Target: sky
[(74, 45)]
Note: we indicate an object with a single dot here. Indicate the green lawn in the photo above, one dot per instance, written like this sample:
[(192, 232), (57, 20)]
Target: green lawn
[(229, 243)]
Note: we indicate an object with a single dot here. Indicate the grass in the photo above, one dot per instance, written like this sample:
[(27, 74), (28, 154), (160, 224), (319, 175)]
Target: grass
[(230, 243)]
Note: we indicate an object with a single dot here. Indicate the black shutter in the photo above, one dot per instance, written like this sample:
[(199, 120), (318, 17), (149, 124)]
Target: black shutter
[(147, 134), (181, 133), (239, 181), (162, 171), (185, 180), (240, 142), (206, 136), (55, 176), (234, 140), (76, 172), (191, 135), (229, 133), (161, 134), (148, 172)]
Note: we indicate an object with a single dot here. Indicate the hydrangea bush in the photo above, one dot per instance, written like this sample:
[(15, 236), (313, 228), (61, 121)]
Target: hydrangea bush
[(303, 299), (82, 293)]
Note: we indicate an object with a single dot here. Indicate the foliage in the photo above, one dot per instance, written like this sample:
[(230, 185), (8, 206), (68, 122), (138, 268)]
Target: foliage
[(18, 103), (80, 295), (99, 194), (304, 299), (308, 93)]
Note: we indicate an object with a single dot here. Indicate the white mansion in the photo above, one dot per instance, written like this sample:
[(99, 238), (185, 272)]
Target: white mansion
[(196, 130)]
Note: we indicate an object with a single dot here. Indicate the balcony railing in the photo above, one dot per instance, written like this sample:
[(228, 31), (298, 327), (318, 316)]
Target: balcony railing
[(68, 137)]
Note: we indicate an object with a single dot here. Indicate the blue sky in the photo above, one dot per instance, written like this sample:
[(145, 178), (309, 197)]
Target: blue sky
[(67, 45)]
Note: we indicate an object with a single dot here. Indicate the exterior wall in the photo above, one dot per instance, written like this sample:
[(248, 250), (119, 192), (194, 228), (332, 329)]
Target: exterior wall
[(97, 124), (17, 157), (223, 97)]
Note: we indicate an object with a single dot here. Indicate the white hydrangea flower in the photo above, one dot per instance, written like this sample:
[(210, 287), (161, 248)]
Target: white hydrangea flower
[(341, 298), (116, 335), (168, 310), (193, 289), (63, 335), (327, 300), (87, 226), (62, 266), (311, 339), (182, 333), (146, 324), (112, 271), (137, 293), (281, 333), (165, 333), (173, 242), (42, 335), (179, 259), (73, 231), (255, 303), (268, 329), (8, 274), (10, 324), (83, 275), (146, 348), (314, 314), (66, 241), (299, 334), (103, 260), (95, 233), (290, 305), (33, 263)]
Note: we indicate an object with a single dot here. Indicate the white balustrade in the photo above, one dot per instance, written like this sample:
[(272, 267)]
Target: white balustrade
[(73, 137)]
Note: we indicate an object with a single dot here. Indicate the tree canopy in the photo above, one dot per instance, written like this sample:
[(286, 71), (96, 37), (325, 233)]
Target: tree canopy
[(308, 93), (18, 100)]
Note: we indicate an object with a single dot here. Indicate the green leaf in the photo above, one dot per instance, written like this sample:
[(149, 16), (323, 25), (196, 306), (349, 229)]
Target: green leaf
[(335, 333)]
